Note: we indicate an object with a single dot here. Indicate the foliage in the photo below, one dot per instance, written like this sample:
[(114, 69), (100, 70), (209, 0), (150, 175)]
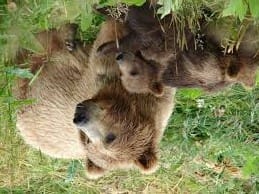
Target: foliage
[(236, 8), (239, 8)]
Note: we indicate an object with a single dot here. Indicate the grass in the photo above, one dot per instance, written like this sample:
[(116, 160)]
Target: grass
[(211, 144)]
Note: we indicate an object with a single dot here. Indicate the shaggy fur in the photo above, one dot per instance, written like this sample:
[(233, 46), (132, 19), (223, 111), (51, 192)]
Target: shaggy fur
[(127, 118), (210, 72), (149, 58), (130, 125)]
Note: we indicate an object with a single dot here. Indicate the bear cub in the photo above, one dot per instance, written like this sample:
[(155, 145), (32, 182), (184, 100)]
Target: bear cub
[(149, 59)]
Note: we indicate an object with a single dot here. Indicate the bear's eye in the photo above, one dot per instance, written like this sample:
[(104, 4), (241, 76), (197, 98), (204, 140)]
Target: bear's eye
[(133, 73), (110, 138)]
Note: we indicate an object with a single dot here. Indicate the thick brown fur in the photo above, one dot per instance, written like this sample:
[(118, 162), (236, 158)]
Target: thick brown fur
[(128, 117), (145, 32), (132, 125), (161, 62), (124, 114)]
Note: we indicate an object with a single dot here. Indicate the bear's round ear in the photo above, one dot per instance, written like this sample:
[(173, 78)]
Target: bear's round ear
[(234, 68), (157, 88), (107, 48), (93, 171), (147, 162)]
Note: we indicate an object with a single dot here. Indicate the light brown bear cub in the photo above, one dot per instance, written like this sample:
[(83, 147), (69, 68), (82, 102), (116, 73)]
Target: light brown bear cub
[(124, 129), (127, 128)]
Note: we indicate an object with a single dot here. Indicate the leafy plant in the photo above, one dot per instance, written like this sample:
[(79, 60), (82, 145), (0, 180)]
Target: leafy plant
[(236, 8), (254, 8)]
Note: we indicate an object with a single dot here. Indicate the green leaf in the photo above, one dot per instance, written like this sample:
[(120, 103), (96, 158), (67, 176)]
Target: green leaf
[(254, 8), (191, 93), (86, 21), (177, 5), (21, 73), (241, 9), (229, 10), (169, 6), (236, 8), (86, 16), (109, 3), (134, 2), (166, 8)]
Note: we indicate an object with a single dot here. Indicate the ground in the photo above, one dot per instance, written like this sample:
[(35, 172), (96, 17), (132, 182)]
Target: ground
[(211, 144), (209, 141)]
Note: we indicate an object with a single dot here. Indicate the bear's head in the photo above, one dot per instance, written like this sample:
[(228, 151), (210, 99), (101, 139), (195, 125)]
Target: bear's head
[(139, 75), (118, 130)]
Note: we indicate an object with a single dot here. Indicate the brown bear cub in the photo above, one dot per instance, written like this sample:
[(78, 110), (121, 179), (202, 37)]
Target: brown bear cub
[(116, 129), (149, 59), (122, 129), (210, 72)]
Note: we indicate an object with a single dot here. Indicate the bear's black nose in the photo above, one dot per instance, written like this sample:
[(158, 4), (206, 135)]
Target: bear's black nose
[(81, 114), (119, 56), (80, 118)]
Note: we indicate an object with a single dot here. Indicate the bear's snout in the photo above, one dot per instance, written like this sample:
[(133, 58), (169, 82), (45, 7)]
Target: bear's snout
[(81, 114)]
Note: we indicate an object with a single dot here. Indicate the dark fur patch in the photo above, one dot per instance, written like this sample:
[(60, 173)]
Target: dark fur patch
[(147, 159), (92, 168), (84, 139), (233, 68)]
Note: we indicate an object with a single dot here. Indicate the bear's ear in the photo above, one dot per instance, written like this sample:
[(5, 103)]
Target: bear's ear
[(234, 68), (107, 48), (157, 88), (93, 171), (147, 161)]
